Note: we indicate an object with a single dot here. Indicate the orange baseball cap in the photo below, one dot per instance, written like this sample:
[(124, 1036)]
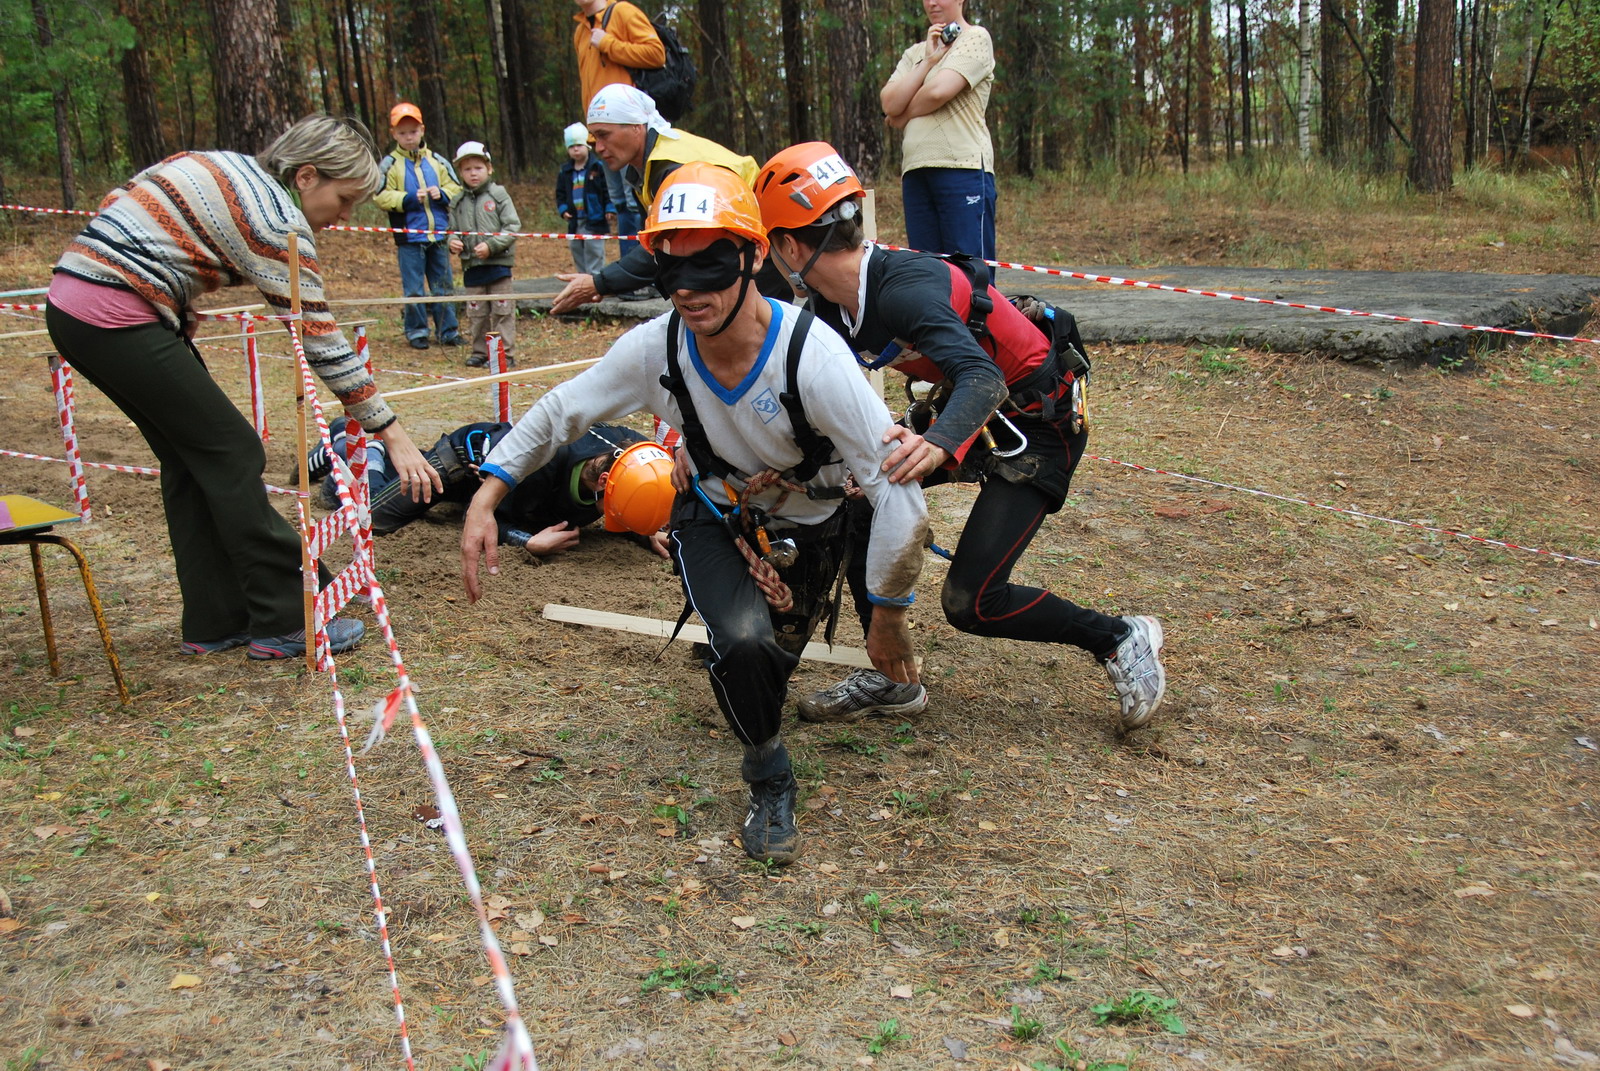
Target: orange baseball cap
[(404, 111)]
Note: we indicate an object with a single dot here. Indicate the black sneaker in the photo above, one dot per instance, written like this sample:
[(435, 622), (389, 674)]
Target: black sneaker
[(418, 343), (477, 360), (319, 464), (769, 834)]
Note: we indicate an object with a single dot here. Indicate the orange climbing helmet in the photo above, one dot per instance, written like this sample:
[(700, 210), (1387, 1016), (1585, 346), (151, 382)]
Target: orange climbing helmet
[(638, 495), (807, 185), (704, 196)]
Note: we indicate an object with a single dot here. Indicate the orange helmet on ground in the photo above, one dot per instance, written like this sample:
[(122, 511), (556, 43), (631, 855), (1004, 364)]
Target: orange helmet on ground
[(404, 110), (806, 185), (702, 196), (638, 496)]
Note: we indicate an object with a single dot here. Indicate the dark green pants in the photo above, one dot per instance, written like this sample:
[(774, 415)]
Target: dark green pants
[(238, 559)]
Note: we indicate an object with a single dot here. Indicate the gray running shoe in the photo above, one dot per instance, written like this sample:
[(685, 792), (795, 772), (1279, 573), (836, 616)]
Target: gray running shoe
[(865, 691), (769, 834), (1136, 672)]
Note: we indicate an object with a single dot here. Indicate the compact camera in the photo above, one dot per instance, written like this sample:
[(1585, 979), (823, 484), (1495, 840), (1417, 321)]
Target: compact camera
[(951, 31)]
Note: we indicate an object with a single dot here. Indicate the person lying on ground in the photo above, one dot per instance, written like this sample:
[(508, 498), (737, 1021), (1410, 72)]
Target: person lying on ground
[(585, 481)]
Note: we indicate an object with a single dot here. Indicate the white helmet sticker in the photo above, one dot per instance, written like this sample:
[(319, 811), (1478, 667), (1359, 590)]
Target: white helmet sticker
[(688, 202), (829, 170)]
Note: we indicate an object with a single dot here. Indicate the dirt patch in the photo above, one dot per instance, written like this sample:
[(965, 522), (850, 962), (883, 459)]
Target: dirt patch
[(1360, 834)]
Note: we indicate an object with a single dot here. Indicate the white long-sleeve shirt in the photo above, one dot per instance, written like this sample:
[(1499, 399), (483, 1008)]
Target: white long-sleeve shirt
[(749, 428)]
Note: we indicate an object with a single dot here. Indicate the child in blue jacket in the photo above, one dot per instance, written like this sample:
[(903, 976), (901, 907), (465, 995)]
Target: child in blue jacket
[(581, 200)]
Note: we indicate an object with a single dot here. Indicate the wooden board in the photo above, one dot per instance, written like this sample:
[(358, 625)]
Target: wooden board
[(653, 626)]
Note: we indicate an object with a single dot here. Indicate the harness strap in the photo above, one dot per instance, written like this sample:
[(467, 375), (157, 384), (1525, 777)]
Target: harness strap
[(816, 449), (693, 431), (980, 304)]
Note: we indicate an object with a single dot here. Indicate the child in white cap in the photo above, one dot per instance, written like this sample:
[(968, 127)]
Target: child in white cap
[(581, 200), (486, 213)]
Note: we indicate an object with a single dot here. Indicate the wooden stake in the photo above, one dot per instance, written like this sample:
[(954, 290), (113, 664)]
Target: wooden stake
[(308, 567)]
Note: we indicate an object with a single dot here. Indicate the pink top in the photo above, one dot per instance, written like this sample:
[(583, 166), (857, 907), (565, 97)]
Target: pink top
[(102, 306)]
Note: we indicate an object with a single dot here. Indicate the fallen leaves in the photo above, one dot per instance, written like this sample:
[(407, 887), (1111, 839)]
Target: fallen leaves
[(185, 981), (1477, 888)]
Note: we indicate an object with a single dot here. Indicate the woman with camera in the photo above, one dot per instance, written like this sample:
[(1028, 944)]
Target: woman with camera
[(937, 95)]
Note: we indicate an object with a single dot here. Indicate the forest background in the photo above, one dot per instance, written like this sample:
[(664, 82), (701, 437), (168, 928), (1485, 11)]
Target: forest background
[(90, 90)]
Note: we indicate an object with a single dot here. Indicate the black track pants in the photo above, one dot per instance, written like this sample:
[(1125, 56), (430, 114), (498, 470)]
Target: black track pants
[(754, 650), (238, 559), (978, 596)]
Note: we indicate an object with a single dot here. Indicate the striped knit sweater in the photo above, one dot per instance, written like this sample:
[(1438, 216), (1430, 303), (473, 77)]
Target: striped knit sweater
[(199, 221)]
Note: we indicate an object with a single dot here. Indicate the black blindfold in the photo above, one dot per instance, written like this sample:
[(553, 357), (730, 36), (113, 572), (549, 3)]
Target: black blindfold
[(716, 267)]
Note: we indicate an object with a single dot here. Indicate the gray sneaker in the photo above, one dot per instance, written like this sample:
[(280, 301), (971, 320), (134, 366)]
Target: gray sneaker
[(865, 691), (1136, 672)]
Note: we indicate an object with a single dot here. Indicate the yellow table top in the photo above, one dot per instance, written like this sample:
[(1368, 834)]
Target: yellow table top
[(19, 513)]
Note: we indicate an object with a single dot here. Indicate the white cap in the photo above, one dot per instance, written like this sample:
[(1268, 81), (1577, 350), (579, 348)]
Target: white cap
[(471, 148), (576, 134)]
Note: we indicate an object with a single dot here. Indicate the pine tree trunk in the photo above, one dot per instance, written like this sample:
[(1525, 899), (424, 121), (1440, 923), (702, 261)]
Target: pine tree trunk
[(1333, 66), (427, 56), (857, 118), (1203, 66), (44, 38), (504, 106), (1246, 124), (716, 112), (1431, 164), (796, 81), (1380, 95), (146, 143), (247, 66), (1022, 115)]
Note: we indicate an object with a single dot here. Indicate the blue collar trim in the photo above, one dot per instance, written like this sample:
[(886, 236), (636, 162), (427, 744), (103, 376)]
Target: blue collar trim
[(728, 396)]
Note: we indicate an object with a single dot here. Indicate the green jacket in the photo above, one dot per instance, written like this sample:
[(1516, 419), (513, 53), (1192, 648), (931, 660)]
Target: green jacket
[(488, 210)]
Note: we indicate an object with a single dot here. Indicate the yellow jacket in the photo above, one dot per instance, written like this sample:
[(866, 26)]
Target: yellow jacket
[(630, 41), (667, 150)]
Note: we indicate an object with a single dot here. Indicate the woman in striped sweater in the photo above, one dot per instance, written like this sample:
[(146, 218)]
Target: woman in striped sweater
[(118, 313)]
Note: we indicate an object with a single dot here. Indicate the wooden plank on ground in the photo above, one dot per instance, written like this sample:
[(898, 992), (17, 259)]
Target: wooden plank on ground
[(654, 626)]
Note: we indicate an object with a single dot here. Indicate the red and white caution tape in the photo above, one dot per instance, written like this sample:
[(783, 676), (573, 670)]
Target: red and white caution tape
[(61, 385), (497, 359), (50, 211), (132, 470), (1141, 284), (353, 496), (252, 362)]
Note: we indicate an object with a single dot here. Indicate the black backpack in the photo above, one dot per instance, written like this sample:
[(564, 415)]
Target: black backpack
[(672, 84)]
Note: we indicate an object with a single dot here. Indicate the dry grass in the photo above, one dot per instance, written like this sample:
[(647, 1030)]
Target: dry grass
[(1362, 829)]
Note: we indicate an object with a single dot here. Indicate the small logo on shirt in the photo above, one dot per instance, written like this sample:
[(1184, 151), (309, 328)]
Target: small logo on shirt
[(766, 405), (973, 199)]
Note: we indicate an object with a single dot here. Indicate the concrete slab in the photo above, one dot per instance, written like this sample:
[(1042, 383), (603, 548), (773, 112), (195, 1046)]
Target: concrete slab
[(1562, 304)]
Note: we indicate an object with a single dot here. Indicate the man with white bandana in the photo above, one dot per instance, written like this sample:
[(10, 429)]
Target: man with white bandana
[(631, 136)]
